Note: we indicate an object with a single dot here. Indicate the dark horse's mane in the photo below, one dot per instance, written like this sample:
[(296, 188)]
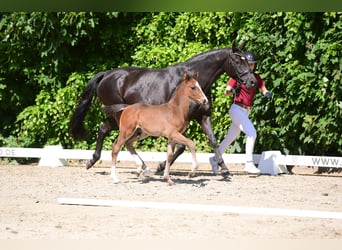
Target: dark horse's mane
[(202, 55), (195, 58)]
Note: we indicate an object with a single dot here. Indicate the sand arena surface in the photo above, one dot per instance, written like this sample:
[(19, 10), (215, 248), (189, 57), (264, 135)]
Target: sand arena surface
[(29, 207)]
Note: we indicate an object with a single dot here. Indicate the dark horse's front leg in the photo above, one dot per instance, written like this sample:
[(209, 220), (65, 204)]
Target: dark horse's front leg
[(208, 130), (103, 131)]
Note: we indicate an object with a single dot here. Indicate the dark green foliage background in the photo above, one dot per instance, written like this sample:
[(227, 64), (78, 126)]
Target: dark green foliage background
[(47, 59)]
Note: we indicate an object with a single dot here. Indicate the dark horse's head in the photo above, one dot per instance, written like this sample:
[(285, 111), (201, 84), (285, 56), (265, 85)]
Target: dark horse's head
[(237, 66)]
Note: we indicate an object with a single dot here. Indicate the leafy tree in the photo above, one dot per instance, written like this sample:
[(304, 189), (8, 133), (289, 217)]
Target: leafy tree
[(41, 51)]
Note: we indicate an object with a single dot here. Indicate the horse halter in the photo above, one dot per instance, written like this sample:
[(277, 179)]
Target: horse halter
[(239, 74)]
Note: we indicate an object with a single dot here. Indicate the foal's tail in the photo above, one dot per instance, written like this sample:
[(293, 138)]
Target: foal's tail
[(112, 109), (78, 130)]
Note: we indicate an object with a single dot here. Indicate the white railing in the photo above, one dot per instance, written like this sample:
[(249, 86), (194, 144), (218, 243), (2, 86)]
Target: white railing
[(55, 156)]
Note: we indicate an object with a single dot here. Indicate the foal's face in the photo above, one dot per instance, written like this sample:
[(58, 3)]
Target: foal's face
[(194, 92)]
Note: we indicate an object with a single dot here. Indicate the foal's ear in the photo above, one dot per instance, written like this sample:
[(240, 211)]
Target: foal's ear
[(186, 76), (195, 76)]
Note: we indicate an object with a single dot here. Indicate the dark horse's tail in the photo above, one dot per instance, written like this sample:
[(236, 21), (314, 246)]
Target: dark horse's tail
[(78, 130)]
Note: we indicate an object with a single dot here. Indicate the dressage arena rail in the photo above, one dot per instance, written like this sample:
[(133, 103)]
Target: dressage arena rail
[(54, 156)]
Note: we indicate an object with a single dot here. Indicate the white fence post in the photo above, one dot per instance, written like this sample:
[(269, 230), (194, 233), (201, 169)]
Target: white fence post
[(272, 162), (50, 157)]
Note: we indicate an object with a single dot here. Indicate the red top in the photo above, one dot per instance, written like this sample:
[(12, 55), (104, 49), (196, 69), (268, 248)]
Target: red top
[(246, 96)]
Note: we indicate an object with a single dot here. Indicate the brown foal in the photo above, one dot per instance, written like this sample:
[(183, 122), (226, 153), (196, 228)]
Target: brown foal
[(170, 119)]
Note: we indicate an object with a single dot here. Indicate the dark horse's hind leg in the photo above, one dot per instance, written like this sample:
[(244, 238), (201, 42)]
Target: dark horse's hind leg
[(104, 129)]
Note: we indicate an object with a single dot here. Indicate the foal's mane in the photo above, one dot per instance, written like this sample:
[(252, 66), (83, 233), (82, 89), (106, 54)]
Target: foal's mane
[(177, 87)]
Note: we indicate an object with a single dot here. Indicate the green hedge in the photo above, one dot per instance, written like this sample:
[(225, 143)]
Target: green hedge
[(48, 58)]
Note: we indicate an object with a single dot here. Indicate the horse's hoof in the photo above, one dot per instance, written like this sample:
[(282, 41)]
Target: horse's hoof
[(116, 181), (147, 172), (225, 173), (89, 165), (169, 181), (160, 168), (191, 174), (139, 172)]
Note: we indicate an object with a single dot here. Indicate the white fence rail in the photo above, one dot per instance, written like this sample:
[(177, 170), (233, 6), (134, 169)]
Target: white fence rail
[(56, 152)]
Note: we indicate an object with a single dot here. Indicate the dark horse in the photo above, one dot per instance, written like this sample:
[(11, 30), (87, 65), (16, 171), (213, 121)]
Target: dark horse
[(140, 120), (129, 85)]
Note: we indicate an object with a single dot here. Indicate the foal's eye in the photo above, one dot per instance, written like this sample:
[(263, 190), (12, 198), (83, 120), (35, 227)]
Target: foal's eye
[(193, 87)]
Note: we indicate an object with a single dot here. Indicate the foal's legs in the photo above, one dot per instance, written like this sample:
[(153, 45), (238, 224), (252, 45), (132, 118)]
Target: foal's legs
[(192, 149), (142, 169), (179, 138), (190, 144), (208, 130), (179, 151), (116, 146), (170, 148)]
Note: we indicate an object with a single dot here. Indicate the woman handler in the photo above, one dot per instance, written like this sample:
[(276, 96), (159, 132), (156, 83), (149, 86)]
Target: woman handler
[(239, 112)]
